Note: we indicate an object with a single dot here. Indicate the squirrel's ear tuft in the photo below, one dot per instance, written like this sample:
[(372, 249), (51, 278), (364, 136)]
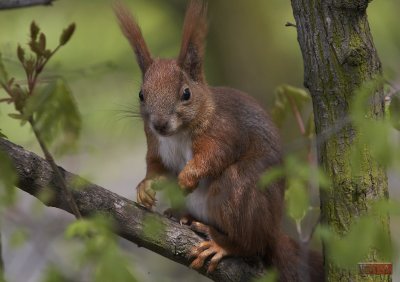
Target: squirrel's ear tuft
[(194, 32), (132, 32)]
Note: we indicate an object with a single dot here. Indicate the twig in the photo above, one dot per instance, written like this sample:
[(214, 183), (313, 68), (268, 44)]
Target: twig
[(174, 241), (307, 239), (290, 24), (297, 114), (14, 4), (65, 190)]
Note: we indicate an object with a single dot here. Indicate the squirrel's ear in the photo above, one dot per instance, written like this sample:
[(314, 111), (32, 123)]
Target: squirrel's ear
[(194, 32), (132, 32)]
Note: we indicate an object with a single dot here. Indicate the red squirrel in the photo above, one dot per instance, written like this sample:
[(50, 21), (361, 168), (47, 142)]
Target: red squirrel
[(218, 142)]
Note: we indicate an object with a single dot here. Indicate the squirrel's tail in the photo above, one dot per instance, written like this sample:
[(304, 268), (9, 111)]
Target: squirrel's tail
[(297, 264)]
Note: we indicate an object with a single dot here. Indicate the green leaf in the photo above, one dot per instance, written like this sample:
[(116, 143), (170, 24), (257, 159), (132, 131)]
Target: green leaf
[(55, 275), (297, 200), (67, 34), (100, 250), (394, 110), (56, 115), (34, 31), (42, 43), (347, 251), (287, 97), (21, 54), (271, 276), (16, 116), (18, 238), (2, 135), (364, 98), (172, 192), (84, 228), (271, 175), (298, 94)]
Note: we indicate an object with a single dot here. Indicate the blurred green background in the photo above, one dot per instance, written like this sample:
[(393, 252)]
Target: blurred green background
[(248, 48)]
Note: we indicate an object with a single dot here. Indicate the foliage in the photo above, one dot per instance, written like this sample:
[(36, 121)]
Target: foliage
[(349, 250), (271, 276), (47, 105), (100, 250), (375, 137), (172, 192), (300, 181), (288, 99), (375, 132), (18, 238)]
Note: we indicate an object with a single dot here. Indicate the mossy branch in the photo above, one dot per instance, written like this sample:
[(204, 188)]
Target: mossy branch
[(174, 241)]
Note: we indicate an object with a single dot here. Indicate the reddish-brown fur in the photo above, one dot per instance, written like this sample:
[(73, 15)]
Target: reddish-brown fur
[(233, 142)]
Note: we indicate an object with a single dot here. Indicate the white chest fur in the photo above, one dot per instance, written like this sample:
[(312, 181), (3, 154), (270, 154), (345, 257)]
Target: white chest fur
[(175, 151)]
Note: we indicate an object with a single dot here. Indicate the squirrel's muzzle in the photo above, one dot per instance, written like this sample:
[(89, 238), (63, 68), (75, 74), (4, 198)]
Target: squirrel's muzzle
[(162, 127)]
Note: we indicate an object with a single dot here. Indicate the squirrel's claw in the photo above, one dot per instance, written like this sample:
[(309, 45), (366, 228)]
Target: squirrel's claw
[(146, 196), (205, 250), (201, 228)]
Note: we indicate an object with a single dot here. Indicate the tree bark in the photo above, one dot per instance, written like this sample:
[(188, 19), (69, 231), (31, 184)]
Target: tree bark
[(339, 56), (174, 241)]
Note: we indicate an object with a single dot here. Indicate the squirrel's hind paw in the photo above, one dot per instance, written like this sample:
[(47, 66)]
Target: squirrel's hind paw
[(208, 249)]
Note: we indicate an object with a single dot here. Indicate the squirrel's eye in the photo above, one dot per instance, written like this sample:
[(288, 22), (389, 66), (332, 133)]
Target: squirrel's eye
[(141, 96), (186, 94)]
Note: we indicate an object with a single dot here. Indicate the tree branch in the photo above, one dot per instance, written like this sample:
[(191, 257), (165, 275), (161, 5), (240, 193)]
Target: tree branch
[(13, 4), (174, 242)]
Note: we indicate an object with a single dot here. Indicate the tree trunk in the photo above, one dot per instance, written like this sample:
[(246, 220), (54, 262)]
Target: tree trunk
[(339, 56)]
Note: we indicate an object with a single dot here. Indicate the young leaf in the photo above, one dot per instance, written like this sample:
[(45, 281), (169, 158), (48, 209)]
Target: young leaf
[(285, 95), (297, 201), (42, 43), (56, 115), (16, 116), (21, 54), (271, 175), (66, 34), (34, 31), (100, 250)]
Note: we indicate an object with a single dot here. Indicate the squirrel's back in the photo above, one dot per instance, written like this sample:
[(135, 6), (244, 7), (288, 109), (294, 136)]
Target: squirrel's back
[(249, 120)]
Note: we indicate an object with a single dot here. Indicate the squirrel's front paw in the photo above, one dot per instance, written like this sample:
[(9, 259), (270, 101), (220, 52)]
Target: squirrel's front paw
[(187, 181), (146, 196)]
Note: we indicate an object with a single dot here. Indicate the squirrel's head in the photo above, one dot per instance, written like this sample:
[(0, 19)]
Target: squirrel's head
[(174, 94)]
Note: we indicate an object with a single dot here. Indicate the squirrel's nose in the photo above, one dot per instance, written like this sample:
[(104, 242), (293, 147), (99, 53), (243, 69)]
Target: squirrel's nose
[(161, 126)]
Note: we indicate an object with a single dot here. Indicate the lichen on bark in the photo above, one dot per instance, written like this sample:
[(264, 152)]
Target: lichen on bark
[(339, 57)]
